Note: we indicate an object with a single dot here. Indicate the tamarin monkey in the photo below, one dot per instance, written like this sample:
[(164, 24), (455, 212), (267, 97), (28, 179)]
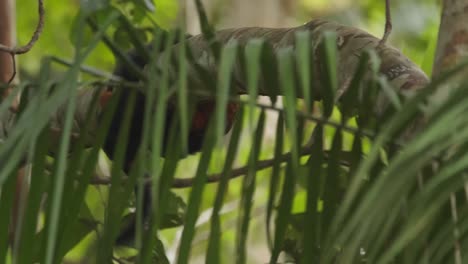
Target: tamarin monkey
[(201, 116)]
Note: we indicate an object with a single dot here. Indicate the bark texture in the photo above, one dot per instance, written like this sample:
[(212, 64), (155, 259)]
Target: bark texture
[(452, 48), (452, 44), (7, 38)]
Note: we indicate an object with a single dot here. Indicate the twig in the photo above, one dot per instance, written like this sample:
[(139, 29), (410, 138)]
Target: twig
[(34, 38), (188, 182), (388, 23), (262, 164), (13, 61), (30, 44), (87, 69)]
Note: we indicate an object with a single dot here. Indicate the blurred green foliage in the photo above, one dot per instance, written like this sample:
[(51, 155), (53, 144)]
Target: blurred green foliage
[(56, 39)]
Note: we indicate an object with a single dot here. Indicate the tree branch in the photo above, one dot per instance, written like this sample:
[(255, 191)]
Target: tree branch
[(34, 38), (262, 164), (213, 178), (23, 49), (452, 42), (188, 182), (388, 23)]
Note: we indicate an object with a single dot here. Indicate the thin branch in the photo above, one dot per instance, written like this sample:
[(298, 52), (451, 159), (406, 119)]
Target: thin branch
[(323, 121), (87, 69), (213, 178), (188, 182), (34, 38), (319, 120), (13, 61), (388, 23), (29, 45), (262, 164)]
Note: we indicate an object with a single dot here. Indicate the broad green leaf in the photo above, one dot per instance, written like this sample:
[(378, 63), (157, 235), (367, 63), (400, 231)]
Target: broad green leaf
[(175, 212), (159, 254), (82, 228)]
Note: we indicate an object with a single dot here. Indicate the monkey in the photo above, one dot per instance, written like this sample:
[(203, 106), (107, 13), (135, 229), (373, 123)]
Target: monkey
[(198, 127)]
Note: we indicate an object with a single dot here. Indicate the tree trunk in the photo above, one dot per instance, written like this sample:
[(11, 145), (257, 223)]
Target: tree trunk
[(8, 38), (452, 48), (452, 44)]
